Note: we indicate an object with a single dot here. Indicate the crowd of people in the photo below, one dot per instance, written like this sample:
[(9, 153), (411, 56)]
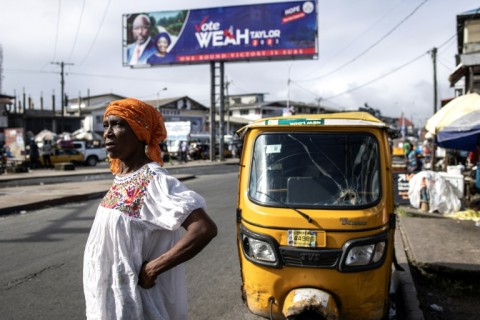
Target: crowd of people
[(34, 155), (419, 157)]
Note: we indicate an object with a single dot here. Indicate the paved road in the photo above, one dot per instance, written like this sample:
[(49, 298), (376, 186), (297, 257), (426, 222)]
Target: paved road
[(221, 197), (42, 250)]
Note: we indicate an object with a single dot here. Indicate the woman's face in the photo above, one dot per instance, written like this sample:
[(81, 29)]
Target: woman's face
[(120, 140), (162, 45)]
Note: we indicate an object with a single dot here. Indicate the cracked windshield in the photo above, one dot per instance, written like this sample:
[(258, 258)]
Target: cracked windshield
[(315, 170)]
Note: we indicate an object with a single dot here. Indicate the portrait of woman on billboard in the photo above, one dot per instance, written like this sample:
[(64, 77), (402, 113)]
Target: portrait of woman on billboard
[(162, 41)]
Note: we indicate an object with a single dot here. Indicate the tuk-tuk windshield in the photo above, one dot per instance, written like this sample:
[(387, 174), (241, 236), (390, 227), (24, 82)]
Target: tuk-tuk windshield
[(315, 170)]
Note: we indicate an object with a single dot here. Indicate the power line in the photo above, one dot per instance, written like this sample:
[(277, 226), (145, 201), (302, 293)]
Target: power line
[(106, 76), (360, 36), (97, 33), (448, 41), (118, 77), (78, 31), (317, 97), (362, 85), (444, 63), (27, 71), (240, 89), (378, 78), (370, 47), (58, 27)]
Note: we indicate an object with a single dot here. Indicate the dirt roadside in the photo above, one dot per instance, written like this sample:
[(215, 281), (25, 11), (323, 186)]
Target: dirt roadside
[(447, 297)]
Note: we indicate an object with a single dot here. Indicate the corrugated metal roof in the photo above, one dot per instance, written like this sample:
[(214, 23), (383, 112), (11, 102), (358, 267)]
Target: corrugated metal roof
[(470, 12)]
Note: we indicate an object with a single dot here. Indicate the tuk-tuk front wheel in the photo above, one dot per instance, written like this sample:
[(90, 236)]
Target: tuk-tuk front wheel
[(310, 303), (308, 315)]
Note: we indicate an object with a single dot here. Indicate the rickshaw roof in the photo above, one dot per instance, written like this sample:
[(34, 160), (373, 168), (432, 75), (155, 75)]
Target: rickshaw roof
[(315, 120)]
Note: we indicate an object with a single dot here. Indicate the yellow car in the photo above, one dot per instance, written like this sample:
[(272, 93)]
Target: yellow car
[(65, 155)]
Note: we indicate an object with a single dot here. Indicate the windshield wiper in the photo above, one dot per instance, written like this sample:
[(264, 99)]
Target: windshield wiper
[(304, 215)]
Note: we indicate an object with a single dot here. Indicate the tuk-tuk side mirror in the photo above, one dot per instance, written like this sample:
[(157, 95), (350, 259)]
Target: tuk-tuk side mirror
[(393, 133)]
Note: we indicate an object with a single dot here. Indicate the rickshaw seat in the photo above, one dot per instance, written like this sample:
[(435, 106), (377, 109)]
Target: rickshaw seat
[(307, 190), (276, 180)]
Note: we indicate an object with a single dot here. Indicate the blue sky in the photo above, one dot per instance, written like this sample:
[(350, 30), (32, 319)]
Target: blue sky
[(370, 51)]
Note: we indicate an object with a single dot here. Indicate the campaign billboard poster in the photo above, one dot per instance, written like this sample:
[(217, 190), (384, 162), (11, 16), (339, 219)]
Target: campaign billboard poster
[(15, 143), (401, 186), (259, 32)]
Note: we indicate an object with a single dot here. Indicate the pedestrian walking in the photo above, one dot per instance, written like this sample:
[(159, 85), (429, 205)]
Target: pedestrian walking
[(46, 154), (34, 155), (183, 151), (134, 253)]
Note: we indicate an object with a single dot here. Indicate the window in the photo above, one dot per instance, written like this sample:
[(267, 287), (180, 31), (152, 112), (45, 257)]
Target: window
[(315, 170)]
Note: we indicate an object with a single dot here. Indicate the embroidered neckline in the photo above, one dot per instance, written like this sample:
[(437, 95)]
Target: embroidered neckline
[(131, 174), (127, 193)]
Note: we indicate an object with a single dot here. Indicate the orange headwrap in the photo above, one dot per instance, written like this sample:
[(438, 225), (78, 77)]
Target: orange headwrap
[(146, 122)]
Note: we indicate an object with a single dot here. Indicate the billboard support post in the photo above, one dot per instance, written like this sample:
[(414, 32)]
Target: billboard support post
[(217, 72), (212, 111), (221, 123)]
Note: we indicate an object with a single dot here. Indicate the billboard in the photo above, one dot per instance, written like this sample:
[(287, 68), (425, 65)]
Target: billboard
[(15, 143), (178, 130), (275, 31)]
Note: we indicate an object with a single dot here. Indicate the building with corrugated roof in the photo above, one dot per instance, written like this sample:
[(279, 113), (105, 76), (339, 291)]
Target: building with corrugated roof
[(468, 53)]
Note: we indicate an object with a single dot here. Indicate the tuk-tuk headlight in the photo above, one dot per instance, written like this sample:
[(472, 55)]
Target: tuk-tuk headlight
[(363, 254), (258, 249)]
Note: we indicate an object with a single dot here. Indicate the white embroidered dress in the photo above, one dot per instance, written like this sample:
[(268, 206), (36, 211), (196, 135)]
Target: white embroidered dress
[(138, 220)]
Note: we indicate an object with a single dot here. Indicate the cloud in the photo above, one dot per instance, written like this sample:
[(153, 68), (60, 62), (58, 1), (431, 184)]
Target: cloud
[(346, 29)]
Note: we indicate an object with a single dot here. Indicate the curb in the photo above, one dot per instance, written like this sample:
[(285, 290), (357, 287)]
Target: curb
[(62, 199), (403, 281), (50, 202)]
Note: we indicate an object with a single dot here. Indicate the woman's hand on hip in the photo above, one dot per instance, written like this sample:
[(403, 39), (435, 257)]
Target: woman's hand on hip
[(144, 280)]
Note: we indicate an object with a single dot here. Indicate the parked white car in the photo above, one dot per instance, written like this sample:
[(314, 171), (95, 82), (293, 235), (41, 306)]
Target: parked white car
[(92, 153)]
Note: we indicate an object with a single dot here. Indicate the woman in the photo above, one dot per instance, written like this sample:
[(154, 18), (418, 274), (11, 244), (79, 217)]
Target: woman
[(162, 41), (133, 255)]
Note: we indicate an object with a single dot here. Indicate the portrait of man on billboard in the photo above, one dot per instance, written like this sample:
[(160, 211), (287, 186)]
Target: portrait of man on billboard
[(151, 37), (143, 46)]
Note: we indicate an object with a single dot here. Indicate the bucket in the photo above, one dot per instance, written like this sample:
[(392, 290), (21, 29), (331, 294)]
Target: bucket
[(424, 206)]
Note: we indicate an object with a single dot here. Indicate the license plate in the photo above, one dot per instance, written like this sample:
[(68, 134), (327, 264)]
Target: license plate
[(306, 238)]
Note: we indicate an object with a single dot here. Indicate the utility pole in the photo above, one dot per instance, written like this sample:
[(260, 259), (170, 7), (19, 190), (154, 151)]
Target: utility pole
[(435, 99), (62, 85), (319, 101), (435, 95), (288, 87)]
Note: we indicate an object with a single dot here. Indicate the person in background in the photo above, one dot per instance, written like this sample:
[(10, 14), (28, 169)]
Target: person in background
[(143, 47), (34, 155), (46, 154), (406, 148), (183, 151), (413, 164), (134, 253), (427, 153)]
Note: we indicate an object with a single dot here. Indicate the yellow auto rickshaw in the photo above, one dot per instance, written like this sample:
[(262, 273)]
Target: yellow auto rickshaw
[(315, 217)]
